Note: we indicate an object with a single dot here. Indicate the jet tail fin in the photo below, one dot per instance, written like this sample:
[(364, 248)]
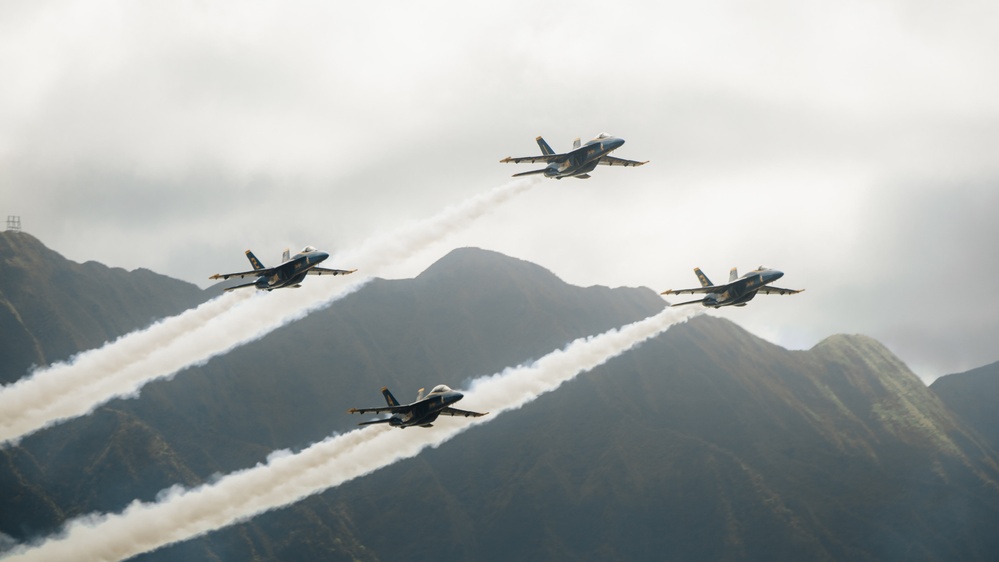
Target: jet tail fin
[(389, 399), (576, 143), (286, 255), (705, 282), (254, 261), (545, 149), (733, 274)]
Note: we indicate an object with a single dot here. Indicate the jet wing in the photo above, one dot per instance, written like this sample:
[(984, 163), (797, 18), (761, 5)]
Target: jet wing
[(449, 411), (695, 290), (545, 159), (611, 161), (380, 410), (324, 271), (769, 290), (242, 274)]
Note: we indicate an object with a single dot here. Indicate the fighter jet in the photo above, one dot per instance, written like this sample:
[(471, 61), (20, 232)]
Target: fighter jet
[(422, 412), (290, 273), (577, 163), (738, 291)]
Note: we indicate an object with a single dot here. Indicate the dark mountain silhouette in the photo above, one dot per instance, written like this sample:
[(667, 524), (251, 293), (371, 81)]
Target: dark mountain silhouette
[(52, 308), (973, 397), (704, 443)]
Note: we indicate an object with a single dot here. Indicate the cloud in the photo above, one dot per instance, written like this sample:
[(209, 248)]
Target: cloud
[(772, 133)]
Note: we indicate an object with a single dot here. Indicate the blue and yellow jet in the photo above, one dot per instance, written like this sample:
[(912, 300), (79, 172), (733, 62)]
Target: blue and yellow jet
[(579, 162), (420, 413), (738, 291), (290, 273)]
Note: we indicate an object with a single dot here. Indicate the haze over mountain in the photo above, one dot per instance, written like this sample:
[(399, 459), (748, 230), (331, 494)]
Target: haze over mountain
[(704, 443)]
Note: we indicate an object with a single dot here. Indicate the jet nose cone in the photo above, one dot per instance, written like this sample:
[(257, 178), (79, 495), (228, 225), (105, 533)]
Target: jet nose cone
[(774, 275), (320, 257), (454, 397), (616, 142)]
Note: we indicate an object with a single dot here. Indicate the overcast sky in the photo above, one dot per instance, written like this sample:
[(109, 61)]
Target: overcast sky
[(852, 145)]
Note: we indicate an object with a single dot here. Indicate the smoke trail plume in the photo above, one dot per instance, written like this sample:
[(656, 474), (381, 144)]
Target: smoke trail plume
[(95, 377), (45, 386), (181, 514)]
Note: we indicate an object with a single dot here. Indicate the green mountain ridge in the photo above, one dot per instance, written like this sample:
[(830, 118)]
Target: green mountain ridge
[(704, 443)]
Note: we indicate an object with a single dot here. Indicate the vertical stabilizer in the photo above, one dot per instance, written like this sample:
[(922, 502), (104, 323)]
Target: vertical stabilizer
[(286, 255), (254, 261), (705, 282), (576, 143), (389, 399), (733, 274), (545, 149)]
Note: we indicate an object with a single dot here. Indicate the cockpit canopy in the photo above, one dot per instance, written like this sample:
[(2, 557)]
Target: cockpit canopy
[(440, 389), (602, 136), (308, 249)]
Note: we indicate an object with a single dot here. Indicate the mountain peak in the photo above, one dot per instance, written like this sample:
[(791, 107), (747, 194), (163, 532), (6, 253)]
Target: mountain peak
[(857, 349), (477, 262)]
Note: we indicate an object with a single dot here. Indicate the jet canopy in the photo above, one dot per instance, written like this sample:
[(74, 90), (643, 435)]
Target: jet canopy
[(603, 136), (308, 249), (440, 389)]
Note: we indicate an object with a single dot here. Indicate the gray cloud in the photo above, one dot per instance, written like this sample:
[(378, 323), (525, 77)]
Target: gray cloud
[(849, 145)]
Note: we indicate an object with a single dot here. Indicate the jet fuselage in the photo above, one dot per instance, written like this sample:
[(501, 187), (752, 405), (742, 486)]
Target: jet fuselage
[(425, 411), (293, 271), (584, 159), (742, 290)]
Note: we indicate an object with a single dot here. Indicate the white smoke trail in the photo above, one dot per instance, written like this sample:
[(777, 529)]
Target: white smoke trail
[(181, 514), (95, 377), (36, 391)]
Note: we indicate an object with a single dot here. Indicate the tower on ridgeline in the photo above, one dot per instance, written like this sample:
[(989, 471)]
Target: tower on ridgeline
[(13, 223)]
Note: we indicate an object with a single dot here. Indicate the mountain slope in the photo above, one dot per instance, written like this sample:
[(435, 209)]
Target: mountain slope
[(52, 308), (973, 396), (704, 443)]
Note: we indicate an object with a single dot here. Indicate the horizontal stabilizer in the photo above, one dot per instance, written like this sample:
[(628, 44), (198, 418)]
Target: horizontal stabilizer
[(688, 302), (227, 289), (541, 171)]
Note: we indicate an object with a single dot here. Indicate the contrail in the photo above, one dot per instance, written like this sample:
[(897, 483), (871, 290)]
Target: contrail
[(37, 391), (121, 368), (180, 514)]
